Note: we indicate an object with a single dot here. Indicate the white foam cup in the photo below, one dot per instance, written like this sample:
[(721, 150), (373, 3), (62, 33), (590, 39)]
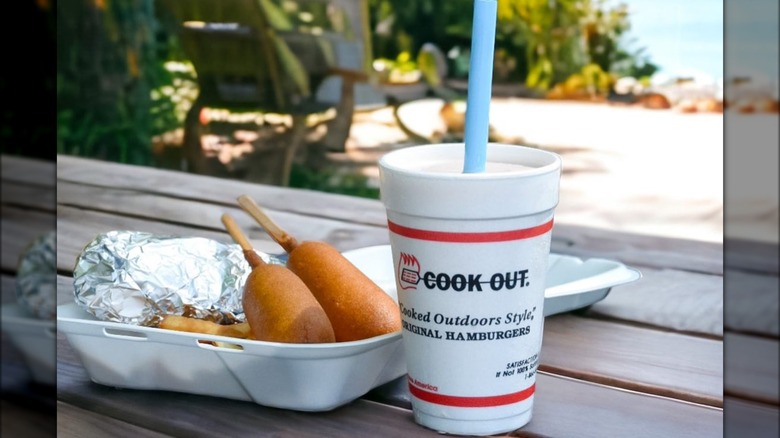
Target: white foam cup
[(470, 256)]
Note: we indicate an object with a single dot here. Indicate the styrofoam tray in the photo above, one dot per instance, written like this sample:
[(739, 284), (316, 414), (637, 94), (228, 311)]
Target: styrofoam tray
[(36, 340), (305, 377)]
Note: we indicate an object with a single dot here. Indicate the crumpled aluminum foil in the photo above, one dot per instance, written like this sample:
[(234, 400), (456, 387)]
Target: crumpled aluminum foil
[(36, 277), (136, 278)]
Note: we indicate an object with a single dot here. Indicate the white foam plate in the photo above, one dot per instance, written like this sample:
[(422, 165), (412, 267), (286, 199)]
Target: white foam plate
[(36, 340), (288, 376)]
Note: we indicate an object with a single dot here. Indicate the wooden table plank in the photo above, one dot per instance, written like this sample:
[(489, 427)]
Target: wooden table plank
[(23, 421), (663, 363), (567, 407), (28, 203), (753, 302), (79, 423), (651, 251), (562, 405), (752, 339), (194, 214), (640, 250), (18, 229), (210, 190), (201, 415), (752, 368), (29, 171), (41, 198), (752, 255), (747, 419)]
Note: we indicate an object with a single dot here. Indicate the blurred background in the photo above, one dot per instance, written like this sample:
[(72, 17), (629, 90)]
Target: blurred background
[(28, 131), (631, 93), (325, 87), (310, 93), (28, 88)]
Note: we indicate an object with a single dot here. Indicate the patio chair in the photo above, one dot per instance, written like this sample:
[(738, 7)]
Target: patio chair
[(251, 55)]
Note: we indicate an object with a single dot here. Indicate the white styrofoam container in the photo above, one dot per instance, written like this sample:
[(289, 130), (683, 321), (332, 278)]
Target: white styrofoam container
[(573, 283), (36, 340), (304, 377)]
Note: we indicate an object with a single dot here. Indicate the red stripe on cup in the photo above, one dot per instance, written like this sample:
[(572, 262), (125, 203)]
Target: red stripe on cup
[(471, 402), (446, 236)]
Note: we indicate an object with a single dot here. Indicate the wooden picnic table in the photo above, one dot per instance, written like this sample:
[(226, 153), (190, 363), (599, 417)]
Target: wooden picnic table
[(648, 360), (28, 211)]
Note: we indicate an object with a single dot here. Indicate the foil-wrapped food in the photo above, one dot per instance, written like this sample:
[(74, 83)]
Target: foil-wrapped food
[(36, 277), (137, 278)]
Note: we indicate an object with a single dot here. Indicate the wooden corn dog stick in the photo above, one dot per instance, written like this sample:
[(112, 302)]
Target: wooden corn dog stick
[(232, 228), (281, 237)]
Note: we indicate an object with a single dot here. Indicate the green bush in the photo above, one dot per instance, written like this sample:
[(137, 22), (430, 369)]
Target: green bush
[(538, 42), (109, 61)]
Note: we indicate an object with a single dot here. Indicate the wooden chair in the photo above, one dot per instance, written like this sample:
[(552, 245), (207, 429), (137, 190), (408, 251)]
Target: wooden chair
[(250, 55)]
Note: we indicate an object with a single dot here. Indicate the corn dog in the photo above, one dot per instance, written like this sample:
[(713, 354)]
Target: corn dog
[(194, 325), (277, 304), (357, 307)]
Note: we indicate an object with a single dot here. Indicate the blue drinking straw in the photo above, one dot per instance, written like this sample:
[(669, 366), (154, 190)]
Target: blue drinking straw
[(483, 37)]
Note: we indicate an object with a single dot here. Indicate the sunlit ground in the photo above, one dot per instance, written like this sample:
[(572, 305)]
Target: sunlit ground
[(625, 168), (630, 169)]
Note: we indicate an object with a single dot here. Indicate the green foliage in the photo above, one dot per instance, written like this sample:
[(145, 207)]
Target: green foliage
[(402, 69), (570, 37), (108, 64), (602, 29), (634, 63), (539, 42), (589, 82), (405, 25), (550, 29), (541, 75)]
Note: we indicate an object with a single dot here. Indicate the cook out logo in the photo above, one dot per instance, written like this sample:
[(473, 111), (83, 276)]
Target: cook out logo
[(410, 274), (408, 271)]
